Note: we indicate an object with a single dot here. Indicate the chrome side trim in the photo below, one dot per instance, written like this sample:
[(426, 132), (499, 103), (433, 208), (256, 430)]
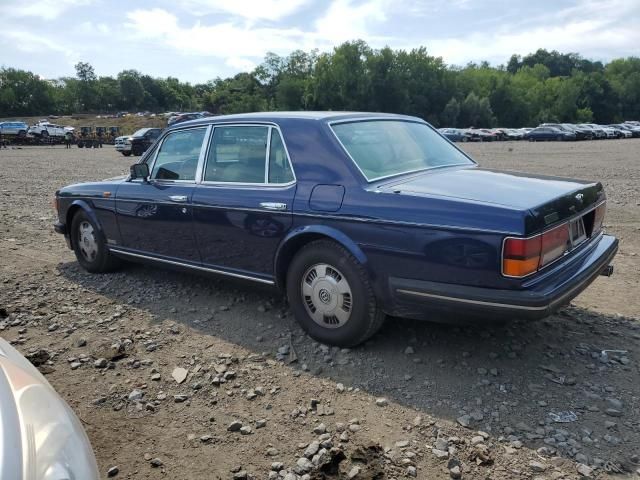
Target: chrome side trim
[(344, 218), (378, 221), (194, 267), (472, 302)]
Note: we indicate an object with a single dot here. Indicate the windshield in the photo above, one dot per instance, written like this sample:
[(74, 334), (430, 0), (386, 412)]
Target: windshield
[(141, 132), (383, 148)]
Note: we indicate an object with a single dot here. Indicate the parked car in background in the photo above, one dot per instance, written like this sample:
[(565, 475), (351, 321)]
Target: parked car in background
[(620, 132), (18, 129), (46, 129), (353, 216), (632, 129), (580, 133), (137, 143), (456, 134), (482, 135), (598, 133), (545, 133), (511, 134), (40, 436)]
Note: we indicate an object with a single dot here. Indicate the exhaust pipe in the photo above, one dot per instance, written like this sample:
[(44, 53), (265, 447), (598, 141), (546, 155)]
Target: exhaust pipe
[(607, 271)]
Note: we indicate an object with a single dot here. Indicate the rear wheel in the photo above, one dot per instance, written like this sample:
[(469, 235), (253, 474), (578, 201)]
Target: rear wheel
[(89, 245), (126, 154), (330, 295)]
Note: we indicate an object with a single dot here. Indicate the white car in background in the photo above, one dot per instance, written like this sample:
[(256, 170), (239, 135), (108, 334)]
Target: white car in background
[(14, 128), (46, 129), (40, 437)]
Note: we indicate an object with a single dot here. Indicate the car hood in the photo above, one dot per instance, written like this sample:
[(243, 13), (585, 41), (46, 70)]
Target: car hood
[(544, 199)]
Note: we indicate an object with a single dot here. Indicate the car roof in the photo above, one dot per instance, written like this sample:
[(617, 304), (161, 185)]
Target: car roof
[(322, 116)]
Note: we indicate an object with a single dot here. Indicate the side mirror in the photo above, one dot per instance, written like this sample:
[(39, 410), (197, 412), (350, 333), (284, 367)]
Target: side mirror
[(139, 170)]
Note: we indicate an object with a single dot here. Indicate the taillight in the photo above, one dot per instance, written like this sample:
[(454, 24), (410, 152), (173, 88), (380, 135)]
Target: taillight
[(598, 217), (524, 256), (520, 256)]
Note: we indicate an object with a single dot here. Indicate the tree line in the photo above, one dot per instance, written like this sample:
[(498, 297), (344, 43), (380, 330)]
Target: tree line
[(540, 87)]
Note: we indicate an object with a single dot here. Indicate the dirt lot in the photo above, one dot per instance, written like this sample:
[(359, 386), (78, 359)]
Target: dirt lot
[(419, 400)]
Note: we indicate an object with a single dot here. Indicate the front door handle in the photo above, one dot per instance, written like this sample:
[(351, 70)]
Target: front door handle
[(273, 205), (178, 198)]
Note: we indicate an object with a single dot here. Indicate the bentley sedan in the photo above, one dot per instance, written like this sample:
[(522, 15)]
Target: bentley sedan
[(353, 216)]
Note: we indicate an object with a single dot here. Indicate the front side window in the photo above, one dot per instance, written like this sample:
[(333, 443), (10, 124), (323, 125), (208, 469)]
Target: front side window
[(177, 158), (383, 148)]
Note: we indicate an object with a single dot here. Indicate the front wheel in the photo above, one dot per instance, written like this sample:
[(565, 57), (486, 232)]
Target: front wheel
[(89, 245), (126, 154), (330, 295)]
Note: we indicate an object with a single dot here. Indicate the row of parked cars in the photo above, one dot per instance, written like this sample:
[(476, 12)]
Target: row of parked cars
[(545, 132), (42, 129)]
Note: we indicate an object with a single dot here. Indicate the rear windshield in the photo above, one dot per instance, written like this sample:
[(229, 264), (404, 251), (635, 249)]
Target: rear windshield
[(383, 148)]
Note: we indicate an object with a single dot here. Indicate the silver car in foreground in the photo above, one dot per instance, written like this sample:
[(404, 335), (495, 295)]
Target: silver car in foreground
[(40, 437)]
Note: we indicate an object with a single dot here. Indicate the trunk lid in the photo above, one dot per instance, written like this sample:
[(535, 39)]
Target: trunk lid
[(545, 200)]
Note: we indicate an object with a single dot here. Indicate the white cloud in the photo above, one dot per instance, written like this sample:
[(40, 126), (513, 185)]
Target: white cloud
[(603, 29), (226, 40), (44, 9), (249, 9), (345, 20), (241, 64), (28, 42), (241, 45)]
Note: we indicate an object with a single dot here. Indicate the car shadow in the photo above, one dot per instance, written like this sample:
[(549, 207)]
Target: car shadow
[(514, 380)]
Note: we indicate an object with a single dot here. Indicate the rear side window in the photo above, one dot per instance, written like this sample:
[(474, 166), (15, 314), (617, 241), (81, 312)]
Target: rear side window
[(383, 148), (177, 158)]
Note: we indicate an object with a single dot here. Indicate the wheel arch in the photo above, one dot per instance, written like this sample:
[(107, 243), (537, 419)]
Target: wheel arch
[(299, 237), (76, 206)]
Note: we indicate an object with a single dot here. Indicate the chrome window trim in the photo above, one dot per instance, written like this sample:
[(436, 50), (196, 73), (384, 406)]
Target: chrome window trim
[(392, 119), (556, 225), (161, 141), (267, 155), (194, 267), (271, 126)]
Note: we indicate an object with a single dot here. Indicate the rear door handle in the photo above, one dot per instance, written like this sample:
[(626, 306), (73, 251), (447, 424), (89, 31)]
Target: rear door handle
[(273, 206), (178, 198)]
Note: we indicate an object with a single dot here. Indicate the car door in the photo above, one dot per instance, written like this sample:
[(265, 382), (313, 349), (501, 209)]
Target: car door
[(242, 206), (155, 217)]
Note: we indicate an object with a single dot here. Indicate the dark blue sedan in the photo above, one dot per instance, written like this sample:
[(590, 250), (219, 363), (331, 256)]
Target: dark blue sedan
[(353, 216), (545, 133)]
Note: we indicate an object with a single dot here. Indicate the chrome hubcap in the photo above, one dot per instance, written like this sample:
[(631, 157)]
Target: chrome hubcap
[(87, 241), (326, 295)]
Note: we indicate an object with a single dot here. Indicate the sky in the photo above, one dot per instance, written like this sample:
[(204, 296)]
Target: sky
[(199, 40)]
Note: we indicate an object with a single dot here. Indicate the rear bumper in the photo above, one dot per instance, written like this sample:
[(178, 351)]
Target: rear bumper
[(418, 299)]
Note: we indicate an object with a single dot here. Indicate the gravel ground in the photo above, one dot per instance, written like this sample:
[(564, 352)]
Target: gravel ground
[(186, 377)]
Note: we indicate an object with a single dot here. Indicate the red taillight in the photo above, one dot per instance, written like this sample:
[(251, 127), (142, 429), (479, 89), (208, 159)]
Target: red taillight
[(524, 256), (555, 243), (599, 217)]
